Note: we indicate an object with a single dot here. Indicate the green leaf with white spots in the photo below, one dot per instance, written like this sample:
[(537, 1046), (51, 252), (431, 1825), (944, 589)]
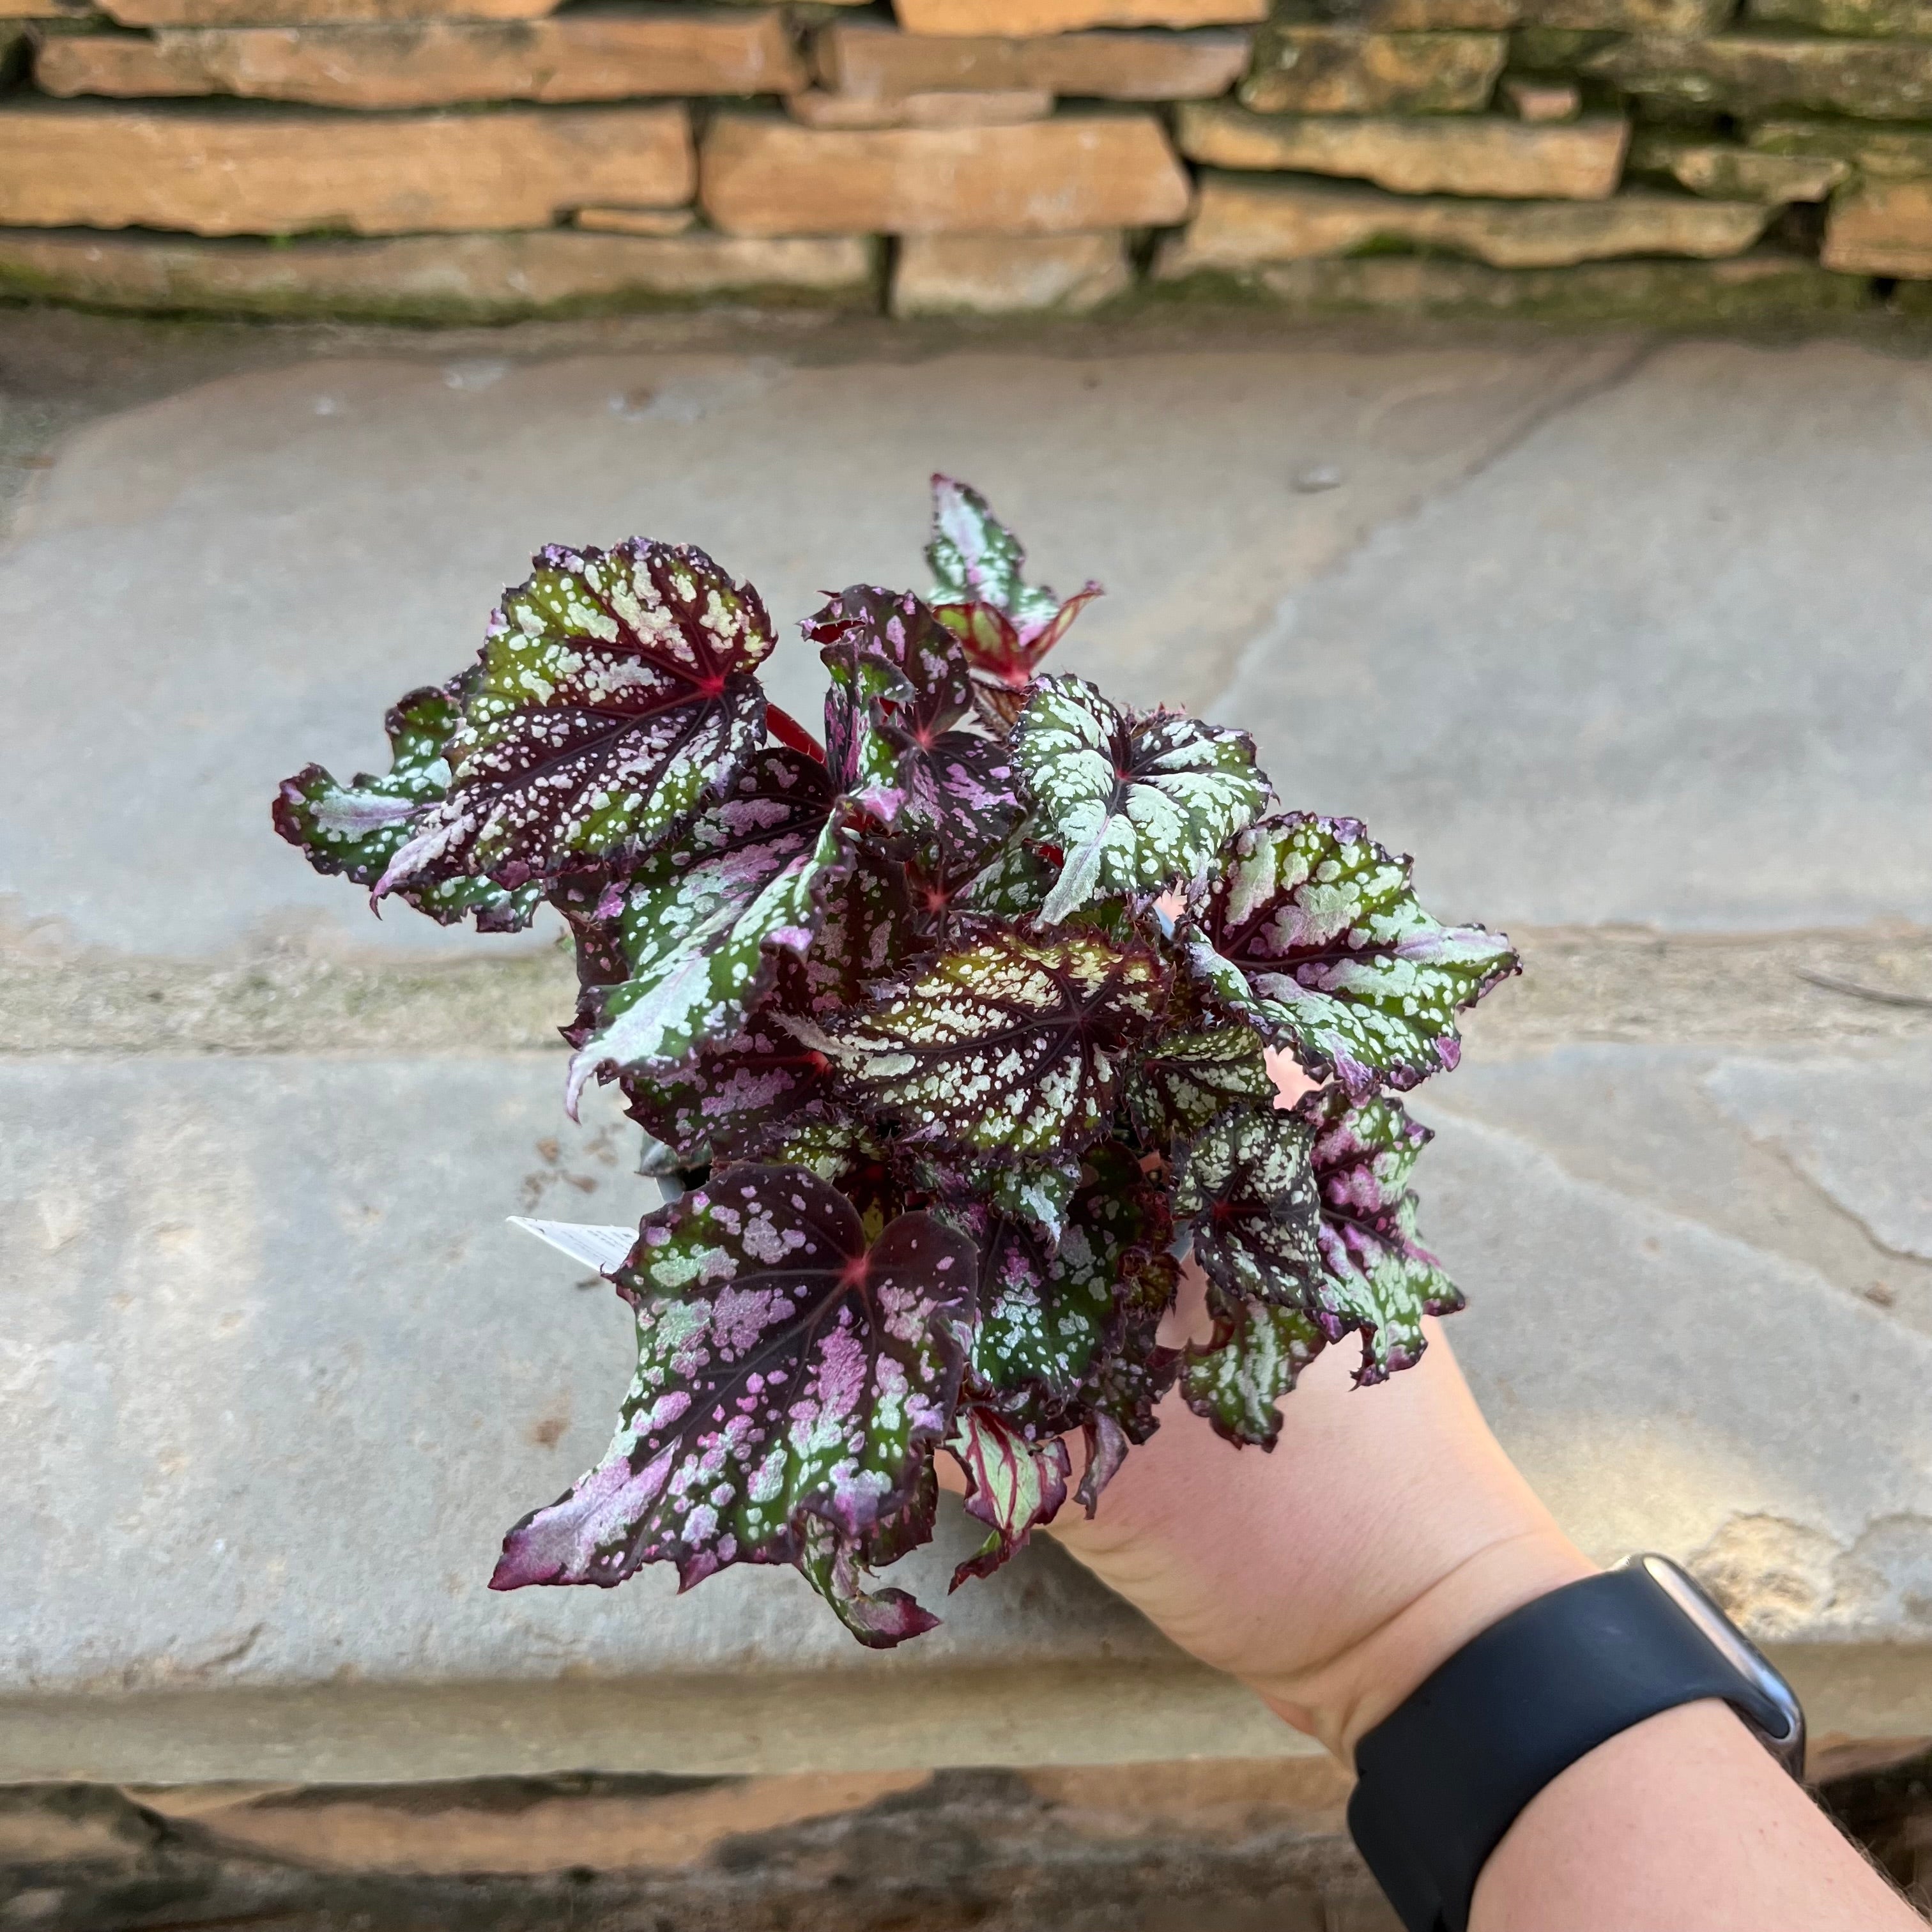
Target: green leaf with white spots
[(1013, 1485), (1252, 1360), (1376, 1278), (1013, 1048), (614, 692), (1015, 885), (1182, 1080), (790, 1373), (1139, 803), (355, 829), (1064, 1330), (1246, 1184), (1313, 934), (703, 920)]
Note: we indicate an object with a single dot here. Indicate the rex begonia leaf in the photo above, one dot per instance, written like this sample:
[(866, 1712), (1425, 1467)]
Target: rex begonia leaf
[(863, 760), (1138, 803), (355, 829), (1013, 1485), (737, 1090), (1251, 1360), (1038, 1193), (1313, 932), (833, 1562), (1014, 885), (614, 690), (1376, 1276), (1005, 625), (934, 689), (702, 918), (866, 936), (786, 1371), (1246, 1184), (1011, 1047), (1182, 1080), (1054, 1321)]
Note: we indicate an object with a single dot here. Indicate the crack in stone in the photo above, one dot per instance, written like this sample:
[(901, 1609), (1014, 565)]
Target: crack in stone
[(1280, 626)]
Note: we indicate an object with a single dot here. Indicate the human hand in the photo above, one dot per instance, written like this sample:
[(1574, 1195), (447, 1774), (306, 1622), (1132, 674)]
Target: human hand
[(1385, 1529)]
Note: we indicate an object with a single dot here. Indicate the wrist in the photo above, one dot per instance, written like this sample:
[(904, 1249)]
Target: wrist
[(1345, 1697)]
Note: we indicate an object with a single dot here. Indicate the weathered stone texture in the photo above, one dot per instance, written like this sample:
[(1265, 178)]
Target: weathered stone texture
[(435, 277), (1415, 154), (1757, 74), (1726, 172), (581, 57), (865, 58), (1629, 16), (764, 176), (1900, 150), (1405, 16), (307, 13), (1540, 100), (636, 220), (819, 108), (1882, 228), (1241, 225), (1304, 70), (1907, 19), (215, 173), (998, 274), (976, 17)]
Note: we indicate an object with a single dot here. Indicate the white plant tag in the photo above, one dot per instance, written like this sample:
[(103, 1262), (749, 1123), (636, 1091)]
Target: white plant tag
[(603, 1249)]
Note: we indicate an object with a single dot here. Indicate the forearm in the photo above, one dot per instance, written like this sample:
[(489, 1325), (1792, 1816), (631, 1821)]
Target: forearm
[(1683, 1821)]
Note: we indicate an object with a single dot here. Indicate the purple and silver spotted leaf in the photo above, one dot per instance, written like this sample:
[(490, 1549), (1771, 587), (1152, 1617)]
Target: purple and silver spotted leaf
[(1185, 1077), (703, 921), (732, 1094), (357, 829), (1376, 1277), (1013, 1485), (787, 1373), (1312, 932), (614, 690), (1246, 1184), (833, 1563), (1139, 803), (1013, 1048)]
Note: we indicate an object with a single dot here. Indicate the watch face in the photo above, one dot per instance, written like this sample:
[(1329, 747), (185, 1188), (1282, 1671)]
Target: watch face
[(1786, 1745)]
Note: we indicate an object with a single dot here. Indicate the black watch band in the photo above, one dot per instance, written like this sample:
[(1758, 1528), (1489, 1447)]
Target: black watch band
[(1444, 1776)]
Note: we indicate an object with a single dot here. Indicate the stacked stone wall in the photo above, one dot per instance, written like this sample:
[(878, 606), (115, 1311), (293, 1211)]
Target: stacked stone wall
[(454, 159)]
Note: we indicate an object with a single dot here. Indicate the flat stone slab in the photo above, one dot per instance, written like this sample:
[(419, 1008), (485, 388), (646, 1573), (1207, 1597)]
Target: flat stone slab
[(276, 1365), (1518, 636)]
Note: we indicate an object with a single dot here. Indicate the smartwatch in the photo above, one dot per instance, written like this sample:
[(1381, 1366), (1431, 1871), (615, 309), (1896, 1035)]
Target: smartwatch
[(1445, 1775)]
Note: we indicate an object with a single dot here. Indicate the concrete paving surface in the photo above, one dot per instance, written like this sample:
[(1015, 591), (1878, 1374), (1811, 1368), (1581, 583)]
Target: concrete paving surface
[(1629, 639)]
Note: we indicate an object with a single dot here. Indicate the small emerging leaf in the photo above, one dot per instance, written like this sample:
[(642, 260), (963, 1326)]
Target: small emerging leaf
[(1246, 1184), (1313, 933), (1376, 1277), (1005, 625), (832, 1563), (1013, 1048), (614, 689), (355, 829), (1013, 1485), (787, 1372), (1138, 803)]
